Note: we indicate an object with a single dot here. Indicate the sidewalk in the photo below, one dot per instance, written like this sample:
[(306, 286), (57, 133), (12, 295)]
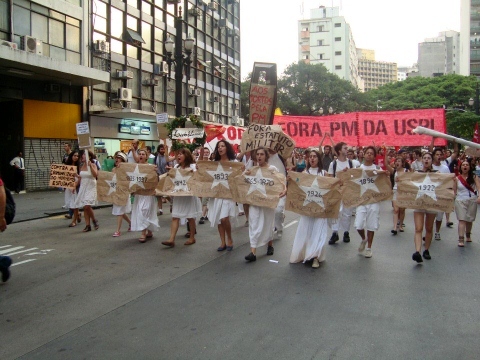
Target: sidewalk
[(41, 204)]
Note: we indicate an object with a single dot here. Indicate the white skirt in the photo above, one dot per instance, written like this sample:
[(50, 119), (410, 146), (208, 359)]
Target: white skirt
[(144, 213), (221, 209), (120, 210), (260, 225), (186, 207), (310, 239), (70, 198)]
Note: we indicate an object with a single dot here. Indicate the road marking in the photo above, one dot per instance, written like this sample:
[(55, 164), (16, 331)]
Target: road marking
[(4, 246), (42, 252), (290, 224), (3, 252), (19, 252), (22, 262)]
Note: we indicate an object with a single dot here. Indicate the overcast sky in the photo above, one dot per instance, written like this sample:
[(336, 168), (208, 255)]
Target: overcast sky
[(392, 28)]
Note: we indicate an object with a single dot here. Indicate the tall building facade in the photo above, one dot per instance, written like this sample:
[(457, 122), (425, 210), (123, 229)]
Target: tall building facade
[(375, 73), (470, 37), (104, 61), (439, 55), (326, 38)]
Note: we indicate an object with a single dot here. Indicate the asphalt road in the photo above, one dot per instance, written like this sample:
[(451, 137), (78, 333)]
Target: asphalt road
[(77, 295)]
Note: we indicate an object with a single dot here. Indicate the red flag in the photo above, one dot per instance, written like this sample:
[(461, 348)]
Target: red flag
[(476, 135)]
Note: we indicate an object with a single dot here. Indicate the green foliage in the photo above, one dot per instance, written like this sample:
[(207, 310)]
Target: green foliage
[(179, 122)]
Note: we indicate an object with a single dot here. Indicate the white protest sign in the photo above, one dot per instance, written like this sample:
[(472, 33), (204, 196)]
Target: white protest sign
[(83, 134), (187, 133)]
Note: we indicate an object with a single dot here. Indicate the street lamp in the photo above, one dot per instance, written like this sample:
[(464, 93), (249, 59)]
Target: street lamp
[(378, 106), (330, 110), (181, 62)]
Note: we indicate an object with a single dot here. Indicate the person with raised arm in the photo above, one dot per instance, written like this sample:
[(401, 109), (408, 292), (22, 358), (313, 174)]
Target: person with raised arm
[(327, 153), (87, 192)]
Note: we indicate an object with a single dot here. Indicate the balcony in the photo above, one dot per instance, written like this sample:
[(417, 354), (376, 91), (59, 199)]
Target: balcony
[(304, 34)]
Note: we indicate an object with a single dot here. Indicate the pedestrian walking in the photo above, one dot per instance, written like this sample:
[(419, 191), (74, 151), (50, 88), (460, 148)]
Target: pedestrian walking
[(121, 211), (87, 192), (5, 261), (398, 212), (18, 164), (71, 194)]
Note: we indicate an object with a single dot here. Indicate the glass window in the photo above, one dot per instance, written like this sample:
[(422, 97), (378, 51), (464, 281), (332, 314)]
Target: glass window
[(100, 24), (72, 21), (73, 57), (158, 41), (147, 35), (57, 15), (4, 25), (40, 27), (133, 3), (73, 38), (338, 39), (170, 20), (116, 23), (132, 23), (100, 9), (146, 56), (158, 14), (57, 53), (146, 8), (56, 33), (40, 9), (21, 21), (116, 46), (132, 51)]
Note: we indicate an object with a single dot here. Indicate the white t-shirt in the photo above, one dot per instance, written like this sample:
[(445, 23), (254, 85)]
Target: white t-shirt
[(130, 157), (277, 162), (441, 168), (369, 167), (342, 165), (417, 165)]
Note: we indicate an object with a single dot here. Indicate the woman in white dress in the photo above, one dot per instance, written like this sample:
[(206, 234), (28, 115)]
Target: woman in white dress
[(311, 236), (184, 207), (118, 210), (87, 193), (261, 219), (466, 200), (71, 195), (144, 209), (223, 209), (398, 212)]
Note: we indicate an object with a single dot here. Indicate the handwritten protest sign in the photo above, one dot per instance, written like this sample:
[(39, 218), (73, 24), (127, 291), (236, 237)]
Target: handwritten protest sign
[(314, 196), (211, 179), (187, 133), (259, 186), (83, 134), (269, 136), (140, 179), (426, 191), (162, 131), (175, 183), (362, 187), (107, 189), (62, 176), (262, 102)]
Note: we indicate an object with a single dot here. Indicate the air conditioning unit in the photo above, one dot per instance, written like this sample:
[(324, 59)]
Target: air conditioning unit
[(215, 99), (125, 94), (196, 111), (11, 45), (241, 122), (194, 11), (161, 69), (32, 45), (151, 82), (234, 32), (102, 46), (211, 117), (194, 92), (213, 6), (124, 74)]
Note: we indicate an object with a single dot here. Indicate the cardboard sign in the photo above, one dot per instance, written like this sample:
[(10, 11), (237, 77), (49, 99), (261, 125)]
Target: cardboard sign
[(140, 179), (211, 179), (314, 196), (162, 131), (175, 183), (269, 136), (107, 189), (62, 176), (83, 134), (362, 187), (259, 186), (262, 102), (426, 191), (187, 133)]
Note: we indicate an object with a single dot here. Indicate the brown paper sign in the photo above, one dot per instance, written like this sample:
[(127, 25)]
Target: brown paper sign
[(314, 196), (83, 133), (62, 176), (211, 179), (175, 183), (107, 189), (140, 179), (261, 187), (269, 136), (362, 187), (262, 98), (425, 191)]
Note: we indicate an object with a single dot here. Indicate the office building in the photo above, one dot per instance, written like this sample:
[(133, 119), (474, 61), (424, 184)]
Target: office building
[(470, 37), (439, 55), (375, 73)]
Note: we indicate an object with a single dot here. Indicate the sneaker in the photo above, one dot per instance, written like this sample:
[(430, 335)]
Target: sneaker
[(362, 245), (315, 264), (346, 237), (417, 257), (159, 212), (426, 255), (5, 263), (251, 257), (116, 234), (333, 239), (368, 252), (437, 236), (449, 224), (202, 220), (270, 250)]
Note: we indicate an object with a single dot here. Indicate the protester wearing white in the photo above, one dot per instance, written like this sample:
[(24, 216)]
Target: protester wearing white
[(441, 168), (121, 211), (277, 162)]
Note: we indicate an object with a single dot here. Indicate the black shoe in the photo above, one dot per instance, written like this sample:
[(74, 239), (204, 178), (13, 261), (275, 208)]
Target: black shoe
[(346, 237), (333, 239), (202, 220), (394, 232), (426, 255), (5, 263), (251, 257), (270, 250), (449, 224), (417, 257)]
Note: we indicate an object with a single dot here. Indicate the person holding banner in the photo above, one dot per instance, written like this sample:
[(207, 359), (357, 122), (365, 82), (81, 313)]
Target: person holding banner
[(223, 209), (71, 195), (118, 210), (441, 168), (278, 162), (261, 219), (311, 236), (144, 209), (87, 193), (466, 200), (184, 207)]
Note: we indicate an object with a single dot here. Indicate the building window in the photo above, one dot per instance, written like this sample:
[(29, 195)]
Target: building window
[(320, 28), (338, 39), (338, 67), (338, 24), (337, 53), (321, 56), (305, 57), (320, 42)]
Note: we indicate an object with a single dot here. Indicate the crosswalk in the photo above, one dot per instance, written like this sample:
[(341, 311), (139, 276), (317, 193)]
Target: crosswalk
[(22, 251)]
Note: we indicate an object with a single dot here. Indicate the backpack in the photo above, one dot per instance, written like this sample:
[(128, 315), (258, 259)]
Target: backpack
[(350, 165), (9, 207)]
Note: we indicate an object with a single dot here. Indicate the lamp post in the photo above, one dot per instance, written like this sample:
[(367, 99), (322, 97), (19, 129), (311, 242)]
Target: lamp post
[(181, 62), (330, 110), (378, 106)]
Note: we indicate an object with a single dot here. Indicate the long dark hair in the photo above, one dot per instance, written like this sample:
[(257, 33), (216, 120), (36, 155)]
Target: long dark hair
[(320, 164), (471, 174), (70, 159), (230, 151), (431, 166), (188, 157)]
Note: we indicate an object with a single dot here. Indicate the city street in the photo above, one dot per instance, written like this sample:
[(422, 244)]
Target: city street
[(75, 295)]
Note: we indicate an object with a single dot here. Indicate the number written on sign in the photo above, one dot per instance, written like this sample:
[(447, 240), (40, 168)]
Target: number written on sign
[(425, 187), (221, 176), (366, 181), (180, 182), (138, 179), (314, 193), (260, 181)]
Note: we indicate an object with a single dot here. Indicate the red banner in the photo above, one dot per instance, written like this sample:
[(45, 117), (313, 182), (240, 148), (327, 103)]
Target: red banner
[(394, 128), (215, 133)]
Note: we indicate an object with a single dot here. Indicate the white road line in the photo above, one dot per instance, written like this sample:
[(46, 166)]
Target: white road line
[(22, 262), (5, 246), (3, 252), (19, 252), (290, 224)]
